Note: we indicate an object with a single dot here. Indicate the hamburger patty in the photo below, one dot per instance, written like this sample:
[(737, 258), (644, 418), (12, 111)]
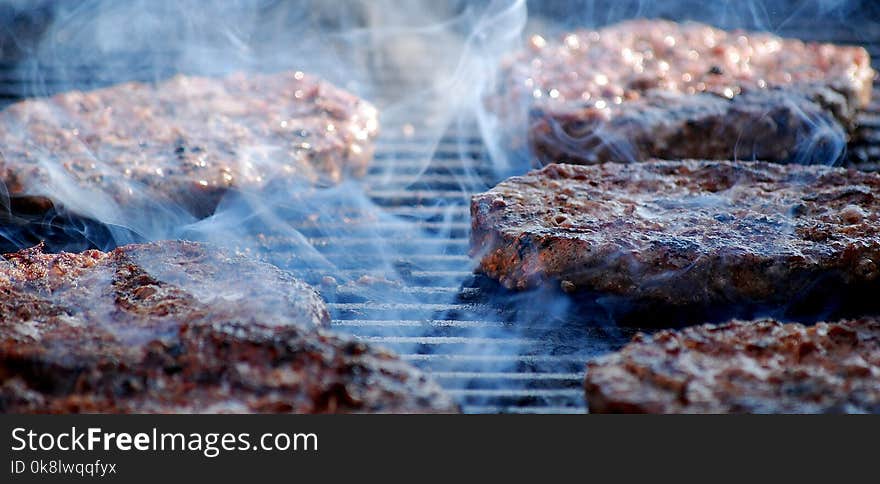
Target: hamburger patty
[(175, 327), (757, 366), (657, 89), (683, 232), (186, 140)]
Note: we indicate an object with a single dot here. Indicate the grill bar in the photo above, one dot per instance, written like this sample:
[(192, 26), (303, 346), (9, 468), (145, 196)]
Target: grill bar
[(520, 409)]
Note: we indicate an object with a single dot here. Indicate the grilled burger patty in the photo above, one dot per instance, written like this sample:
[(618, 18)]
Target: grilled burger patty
[(743, 366), (175, 327), (657, 89), (682, 232), (185, 140)]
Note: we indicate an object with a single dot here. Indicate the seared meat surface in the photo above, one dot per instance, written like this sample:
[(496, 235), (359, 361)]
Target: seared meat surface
[(185, 141), (176, 327), (683, 232), (743, 366), (657, 89)]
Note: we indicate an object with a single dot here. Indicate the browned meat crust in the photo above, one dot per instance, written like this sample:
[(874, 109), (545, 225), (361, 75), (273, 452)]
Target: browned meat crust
[(682, 233), (184, 140), (657, 89), (756, 366), (174, 327)]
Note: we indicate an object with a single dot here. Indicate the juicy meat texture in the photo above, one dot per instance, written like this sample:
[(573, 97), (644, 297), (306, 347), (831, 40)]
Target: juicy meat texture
[(184, 141), (743, 367), (175, 327), (657, 89), (682, 232)]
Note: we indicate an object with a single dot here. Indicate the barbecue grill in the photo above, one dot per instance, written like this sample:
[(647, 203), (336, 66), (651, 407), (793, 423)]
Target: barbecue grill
[(492, 350)]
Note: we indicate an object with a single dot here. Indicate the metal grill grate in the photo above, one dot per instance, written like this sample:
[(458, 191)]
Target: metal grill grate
[(447, 320), (492, 354)]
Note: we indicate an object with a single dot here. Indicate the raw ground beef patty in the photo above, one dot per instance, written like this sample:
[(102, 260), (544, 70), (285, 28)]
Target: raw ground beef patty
[(743, 366), (646, 89), (184, 141), (176, 327), (683, 232)]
